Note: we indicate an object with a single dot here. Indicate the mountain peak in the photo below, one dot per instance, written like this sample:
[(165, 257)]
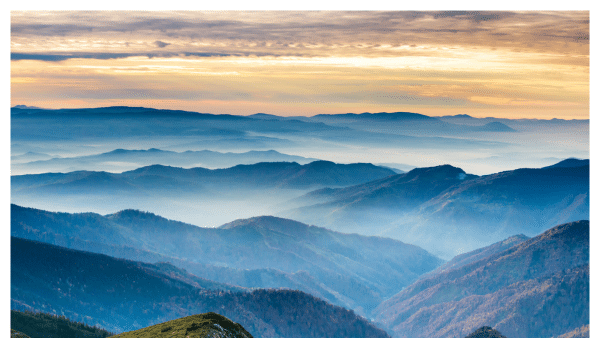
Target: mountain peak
[(197, 326), (515, 239), (22, 106), (567, 231), (321, 164), (127, 213), (382, 116), (570, 163), (267, 222), (485, 332), (444, 171), (154, 169), (496, 126)]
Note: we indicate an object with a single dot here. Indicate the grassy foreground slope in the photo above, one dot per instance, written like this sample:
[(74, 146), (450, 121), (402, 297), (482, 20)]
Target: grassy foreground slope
[(485, 332), (44, 325), (197, 326)]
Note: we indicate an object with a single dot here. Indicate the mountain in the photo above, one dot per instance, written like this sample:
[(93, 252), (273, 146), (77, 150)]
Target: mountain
[(494, 127), (457, 116), (263, 116), (200, 196), (521, 123), (538, 288), (570, 163), (475, 255), (44, 325), (398, 116), (116, 110), (354, 271), (17, 334), (402, 190), (120, 160), (413, 121), (121, 295), (405, 123), (159, 177), (127, 122), (203, 325), (447, 211), (29, 156), (181, 130), (22, 106), (485, 332), (381, 137), (580, 332)]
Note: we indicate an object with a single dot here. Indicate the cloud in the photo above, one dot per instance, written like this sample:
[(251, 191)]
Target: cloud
[(554, 31), (161, 44), (104, 56), (471, 60), (474, 15)]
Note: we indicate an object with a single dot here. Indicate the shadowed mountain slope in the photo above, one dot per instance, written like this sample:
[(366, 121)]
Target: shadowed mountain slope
[(449, 212), (122, 295), (350, 270), (538, 288)]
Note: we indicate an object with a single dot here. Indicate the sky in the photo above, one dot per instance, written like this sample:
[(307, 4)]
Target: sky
[(526, 64)]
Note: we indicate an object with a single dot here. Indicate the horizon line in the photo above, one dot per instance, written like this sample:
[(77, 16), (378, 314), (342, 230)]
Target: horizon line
[(21, 106)]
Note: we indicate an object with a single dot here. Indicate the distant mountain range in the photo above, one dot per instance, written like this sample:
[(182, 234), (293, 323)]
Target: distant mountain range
[(447, 211), (121, 295), (403, 119), (393, 137), (408, 123), (535, 288), (478, 121), (29, 157), (120, 160), (201, 196), (221, 131), (354, 271), (382, 234), (264, 175)]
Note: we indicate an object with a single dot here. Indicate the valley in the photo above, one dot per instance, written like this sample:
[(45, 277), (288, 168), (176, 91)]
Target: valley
[(286, 242)]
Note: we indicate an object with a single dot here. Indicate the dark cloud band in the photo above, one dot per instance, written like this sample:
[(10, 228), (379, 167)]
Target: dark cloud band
[(106, 56)]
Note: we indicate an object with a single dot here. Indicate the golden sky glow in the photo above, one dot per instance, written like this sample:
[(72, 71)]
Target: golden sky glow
[(505, 64)]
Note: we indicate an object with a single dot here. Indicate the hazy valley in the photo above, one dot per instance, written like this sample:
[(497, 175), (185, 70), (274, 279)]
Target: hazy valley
[(323, 226)]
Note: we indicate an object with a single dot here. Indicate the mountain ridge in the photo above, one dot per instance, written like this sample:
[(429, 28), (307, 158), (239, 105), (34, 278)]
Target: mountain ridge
[(500, 289), (342, 268), (123, 295), (448, 211), (119, 160)]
